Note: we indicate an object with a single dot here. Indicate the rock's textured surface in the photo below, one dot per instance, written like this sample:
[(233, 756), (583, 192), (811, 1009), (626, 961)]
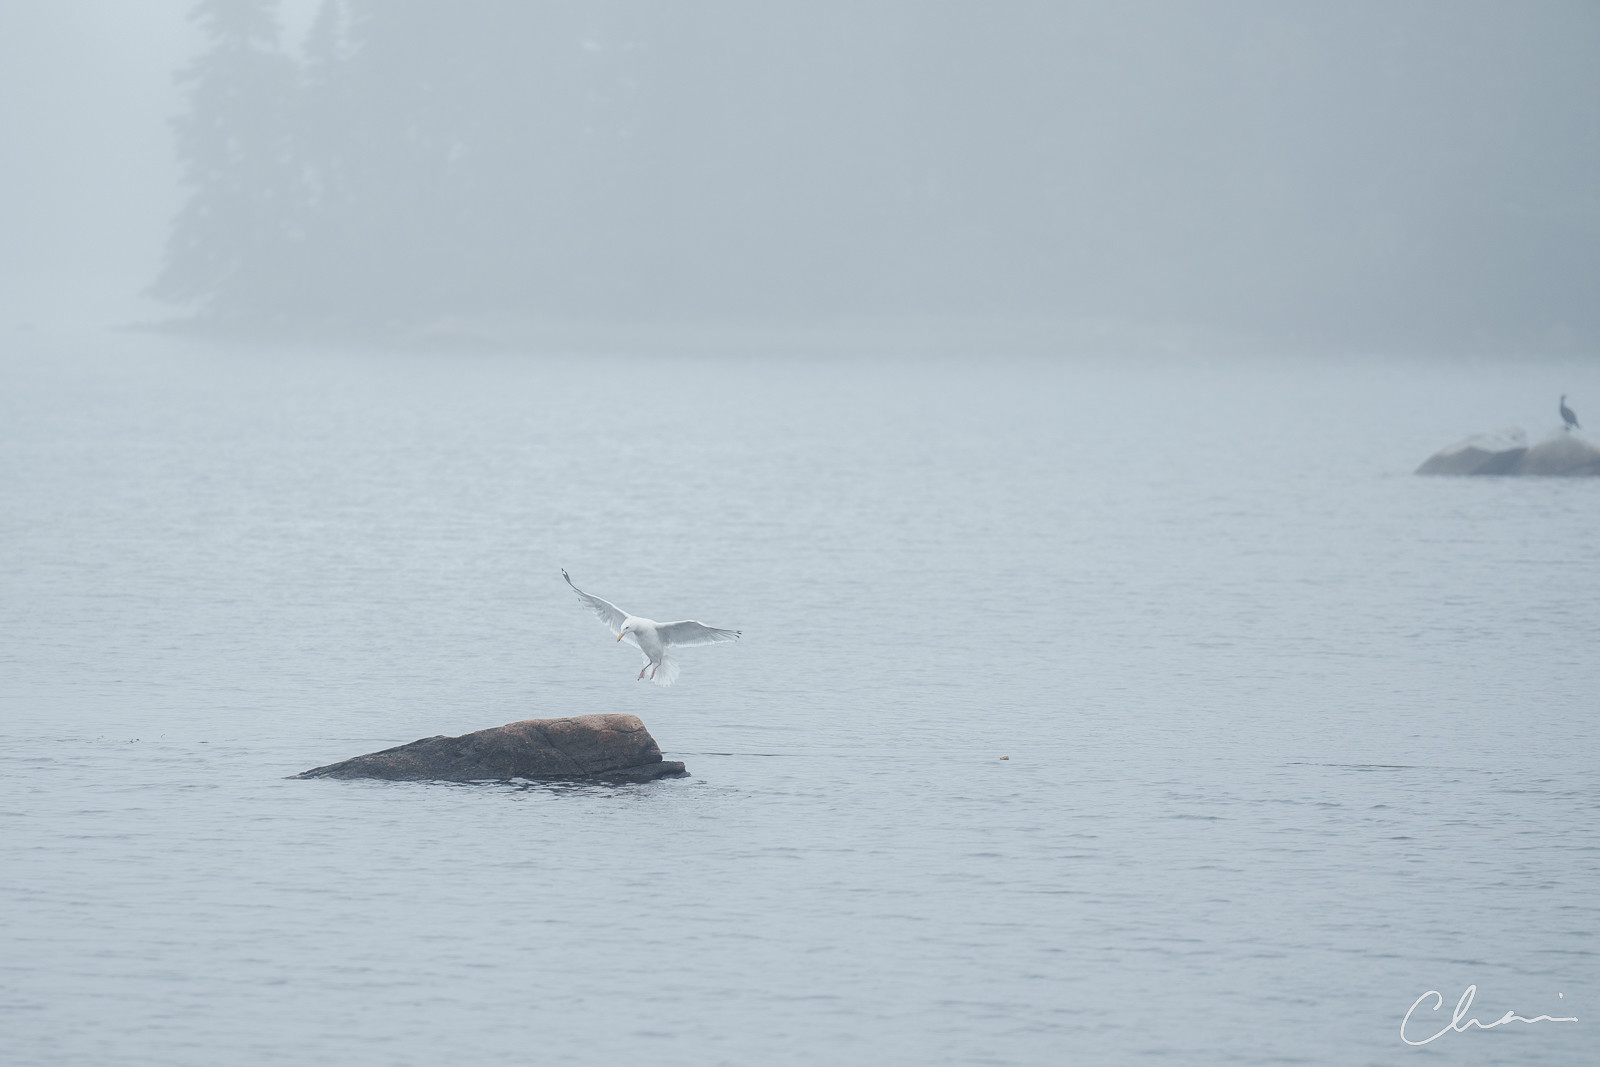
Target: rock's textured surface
[(1563, 455), (1471, 459), (609, 748)]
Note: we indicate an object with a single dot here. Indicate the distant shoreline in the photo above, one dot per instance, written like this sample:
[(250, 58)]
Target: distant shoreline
[(832, 336)]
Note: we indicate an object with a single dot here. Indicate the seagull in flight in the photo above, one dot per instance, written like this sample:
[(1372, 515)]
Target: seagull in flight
[(653, 638), (1567, 416)]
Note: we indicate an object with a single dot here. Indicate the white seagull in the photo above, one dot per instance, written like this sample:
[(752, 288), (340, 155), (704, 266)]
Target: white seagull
[(653, 638)]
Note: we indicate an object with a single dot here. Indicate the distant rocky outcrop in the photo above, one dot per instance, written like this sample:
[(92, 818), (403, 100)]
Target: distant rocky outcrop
[(606, 748), (1563, 454)]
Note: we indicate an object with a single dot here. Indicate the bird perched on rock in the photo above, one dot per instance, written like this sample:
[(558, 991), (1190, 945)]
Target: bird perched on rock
[(1567, 416), (653, 638)]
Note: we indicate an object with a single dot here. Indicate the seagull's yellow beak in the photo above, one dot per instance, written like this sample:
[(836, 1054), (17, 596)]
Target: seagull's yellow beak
[(619, 637)]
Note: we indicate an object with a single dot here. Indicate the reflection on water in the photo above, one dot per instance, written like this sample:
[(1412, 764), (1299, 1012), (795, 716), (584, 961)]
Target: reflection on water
[(1294, 736)]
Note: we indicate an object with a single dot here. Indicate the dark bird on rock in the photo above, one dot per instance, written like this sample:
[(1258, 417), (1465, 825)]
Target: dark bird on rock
[(1567, 416)]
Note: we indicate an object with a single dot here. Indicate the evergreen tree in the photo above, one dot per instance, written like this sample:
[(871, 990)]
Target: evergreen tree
[(601, 159), (232, 248)]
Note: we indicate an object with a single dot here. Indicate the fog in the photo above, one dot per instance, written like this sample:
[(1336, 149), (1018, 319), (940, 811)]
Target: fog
[(1368, 175), (1107, 682), (88, 179)]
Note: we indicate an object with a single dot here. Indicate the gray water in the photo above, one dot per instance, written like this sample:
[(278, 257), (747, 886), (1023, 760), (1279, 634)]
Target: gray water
[(1294, 736)]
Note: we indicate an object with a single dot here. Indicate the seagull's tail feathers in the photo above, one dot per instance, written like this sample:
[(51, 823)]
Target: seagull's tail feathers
[(666, 672)]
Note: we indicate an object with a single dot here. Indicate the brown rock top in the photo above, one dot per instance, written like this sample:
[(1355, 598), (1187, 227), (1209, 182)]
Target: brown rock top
[(609, 748)]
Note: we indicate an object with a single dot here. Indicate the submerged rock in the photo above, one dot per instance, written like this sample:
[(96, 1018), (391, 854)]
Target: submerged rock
[(607, 748), (1564, 454)]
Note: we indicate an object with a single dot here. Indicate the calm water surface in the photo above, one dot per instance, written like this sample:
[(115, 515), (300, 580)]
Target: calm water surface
[(1294, 736)]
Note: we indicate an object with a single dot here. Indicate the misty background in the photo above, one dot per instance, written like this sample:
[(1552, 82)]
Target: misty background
[(1308, 176), (1108, 681)]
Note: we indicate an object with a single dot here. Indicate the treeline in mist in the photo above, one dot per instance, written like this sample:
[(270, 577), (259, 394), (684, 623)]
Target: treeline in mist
[(1363, 173)]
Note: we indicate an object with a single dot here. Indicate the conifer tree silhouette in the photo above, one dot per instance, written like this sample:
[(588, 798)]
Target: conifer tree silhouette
[(232, 245)]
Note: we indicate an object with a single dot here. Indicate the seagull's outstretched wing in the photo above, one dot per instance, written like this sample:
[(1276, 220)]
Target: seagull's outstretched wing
[(609, 613), (681, 634)]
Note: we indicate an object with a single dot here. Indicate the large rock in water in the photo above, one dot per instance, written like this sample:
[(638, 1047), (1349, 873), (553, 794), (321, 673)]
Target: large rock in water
[(1564, 454), (1484, 453), (606, 748)]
